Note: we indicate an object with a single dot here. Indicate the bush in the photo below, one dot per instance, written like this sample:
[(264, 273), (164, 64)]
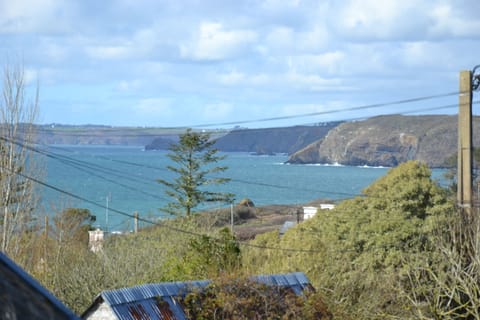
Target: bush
[(228, 298)]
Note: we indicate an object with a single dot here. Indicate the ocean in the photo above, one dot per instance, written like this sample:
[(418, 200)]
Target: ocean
[(116, 181)]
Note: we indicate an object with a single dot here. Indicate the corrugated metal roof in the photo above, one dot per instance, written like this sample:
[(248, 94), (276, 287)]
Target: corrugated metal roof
[(296, 281), (159, 300)]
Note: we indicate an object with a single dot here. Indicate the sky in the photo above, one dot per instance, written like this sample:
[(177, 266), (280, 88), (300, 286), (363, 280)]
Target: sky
[(253, 63)]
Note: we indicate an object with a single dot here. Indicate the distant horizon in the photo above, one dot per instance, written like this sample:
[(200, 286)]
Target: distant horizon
[(237, 127)]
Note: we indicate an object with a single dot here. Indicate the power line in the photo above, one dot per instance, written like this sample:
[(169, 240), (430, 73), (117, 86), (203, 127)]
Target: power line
[(56, 156), (311, 114), (145, 132), (88, 168), (175, 229), (81, 165)]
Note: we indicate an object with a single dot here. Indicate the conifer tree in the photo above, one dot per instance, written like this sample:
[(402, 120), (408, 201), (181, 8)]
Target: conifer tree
[(195, 158)]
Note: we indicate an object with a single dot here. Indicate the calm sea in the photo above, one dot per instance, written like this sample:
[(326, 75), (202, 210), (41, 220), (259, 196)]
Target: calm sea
[(111, 180)]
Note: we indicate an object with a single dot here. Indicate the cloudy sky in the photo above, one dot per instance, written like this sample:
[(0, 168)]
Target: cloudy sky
[(194, 62)]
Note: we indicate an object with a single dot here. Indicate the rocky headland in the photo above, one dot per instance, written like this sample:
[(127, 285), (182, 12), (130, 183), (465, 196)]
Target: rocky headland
[(386, 141)]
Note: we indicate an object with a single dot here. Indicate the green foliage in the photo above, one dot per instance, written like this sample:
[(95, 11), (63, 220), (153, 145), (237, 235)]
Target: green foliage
[(73, 224), (194, 156), (451, 174), (369, 258), (450, 288), (359, 253), (236, 298), (207, 257)]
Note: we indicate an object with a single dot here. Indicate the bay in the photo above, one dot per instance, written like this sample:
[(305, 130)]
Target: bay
[(116, 181)]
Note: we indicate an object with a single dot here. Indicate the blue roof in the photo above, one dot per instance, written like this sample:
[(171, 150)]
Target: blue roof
[(159, 300)]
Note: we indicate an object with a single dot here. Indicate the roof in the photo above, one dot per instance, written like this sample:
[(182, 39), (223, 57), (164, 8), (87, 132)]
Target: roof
[(287, 225), (159, 300), (22, 297)]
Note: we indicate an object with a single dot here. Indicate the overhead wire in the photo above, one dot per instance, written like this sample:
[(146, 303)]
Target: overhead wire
[(56, 156), (279, 186), (311, 114), (94, 130), (72, 195), (79, 165), (89, 168), (126, 214)]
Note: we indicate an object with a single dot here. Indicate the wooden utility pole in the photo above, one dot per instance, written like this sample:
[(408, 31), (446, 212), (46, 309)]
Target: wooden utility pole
[(135, 222), (45, 238), (464, 174)]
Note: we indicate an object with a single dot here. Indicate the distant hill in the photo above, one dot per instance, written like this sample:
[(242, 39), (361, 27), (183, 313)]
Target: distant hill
[(262, 141), (100, 135), (386, 141), (378, 141), (273, 140)]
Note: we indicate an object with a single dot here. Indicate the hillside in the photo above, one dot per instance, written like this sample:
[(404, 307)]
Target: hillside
[(100, 135), (386, 141), (273, 140), (262, 141)]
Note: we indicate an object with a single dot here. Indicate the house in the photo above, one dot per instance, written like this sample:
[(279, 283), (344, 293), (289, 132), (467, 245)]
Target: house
[(95, 240), (309, 212), (22, 297), (161, 300)]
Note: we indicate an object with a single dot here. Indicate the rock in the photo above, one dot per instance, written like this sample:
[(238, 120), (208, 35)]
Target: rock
[(386, 141)]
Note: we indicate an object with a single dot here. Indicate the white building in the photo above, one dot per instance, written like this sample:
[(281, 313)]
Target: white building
[(309, 212)]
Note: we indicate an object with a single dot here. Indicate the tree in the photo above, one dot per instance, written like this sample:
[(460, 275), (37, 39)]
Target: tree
[(206, 257), (73, 224), (17, 117), (362, 251), (194, 155)]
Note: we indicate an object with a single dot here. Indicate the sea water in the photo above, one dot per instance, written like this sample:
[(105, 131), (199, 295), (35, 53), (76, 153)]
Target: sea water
[(113, 182)]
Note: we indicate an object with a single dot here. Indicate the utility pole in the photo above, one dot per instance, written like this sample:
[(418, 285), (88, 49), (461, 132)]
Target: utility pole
[(45, 243), (469, 82), (135, 222), (464, 174), (231, 217)]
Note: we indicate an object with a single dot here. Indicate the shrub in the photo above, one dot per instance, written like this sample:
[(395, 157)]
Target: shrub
[(228, 298)]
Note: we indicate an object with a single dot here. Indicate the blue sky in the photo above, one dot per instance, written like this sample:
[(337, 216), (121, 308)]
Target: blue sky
[(185, 63)]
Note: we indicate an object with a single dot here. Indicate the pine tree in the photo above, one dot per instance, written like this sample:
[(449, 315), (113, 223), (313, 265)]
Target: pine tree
[(194, 157)]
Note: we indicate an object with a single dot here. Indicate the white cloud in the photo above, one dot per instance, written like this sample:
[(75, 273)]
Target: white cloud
[(34, 16), (233, 78), (451, 20), (30, 76), (155, 107), (109, 52), (257, 53), (312, 82), (379, 20), (405, 20), (280, 39), (129, 85), (326, 63), (213, 42), (283, 40)]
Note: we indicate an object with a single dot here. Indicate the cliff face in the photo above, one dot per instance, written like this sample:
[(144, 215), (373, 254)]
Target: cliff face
[(386, 141), (272, 140)]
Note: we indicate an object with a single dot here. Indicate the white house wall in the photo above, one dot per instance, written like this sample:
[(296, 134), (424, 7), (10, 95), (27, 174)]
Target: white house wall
[(102, 312)]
